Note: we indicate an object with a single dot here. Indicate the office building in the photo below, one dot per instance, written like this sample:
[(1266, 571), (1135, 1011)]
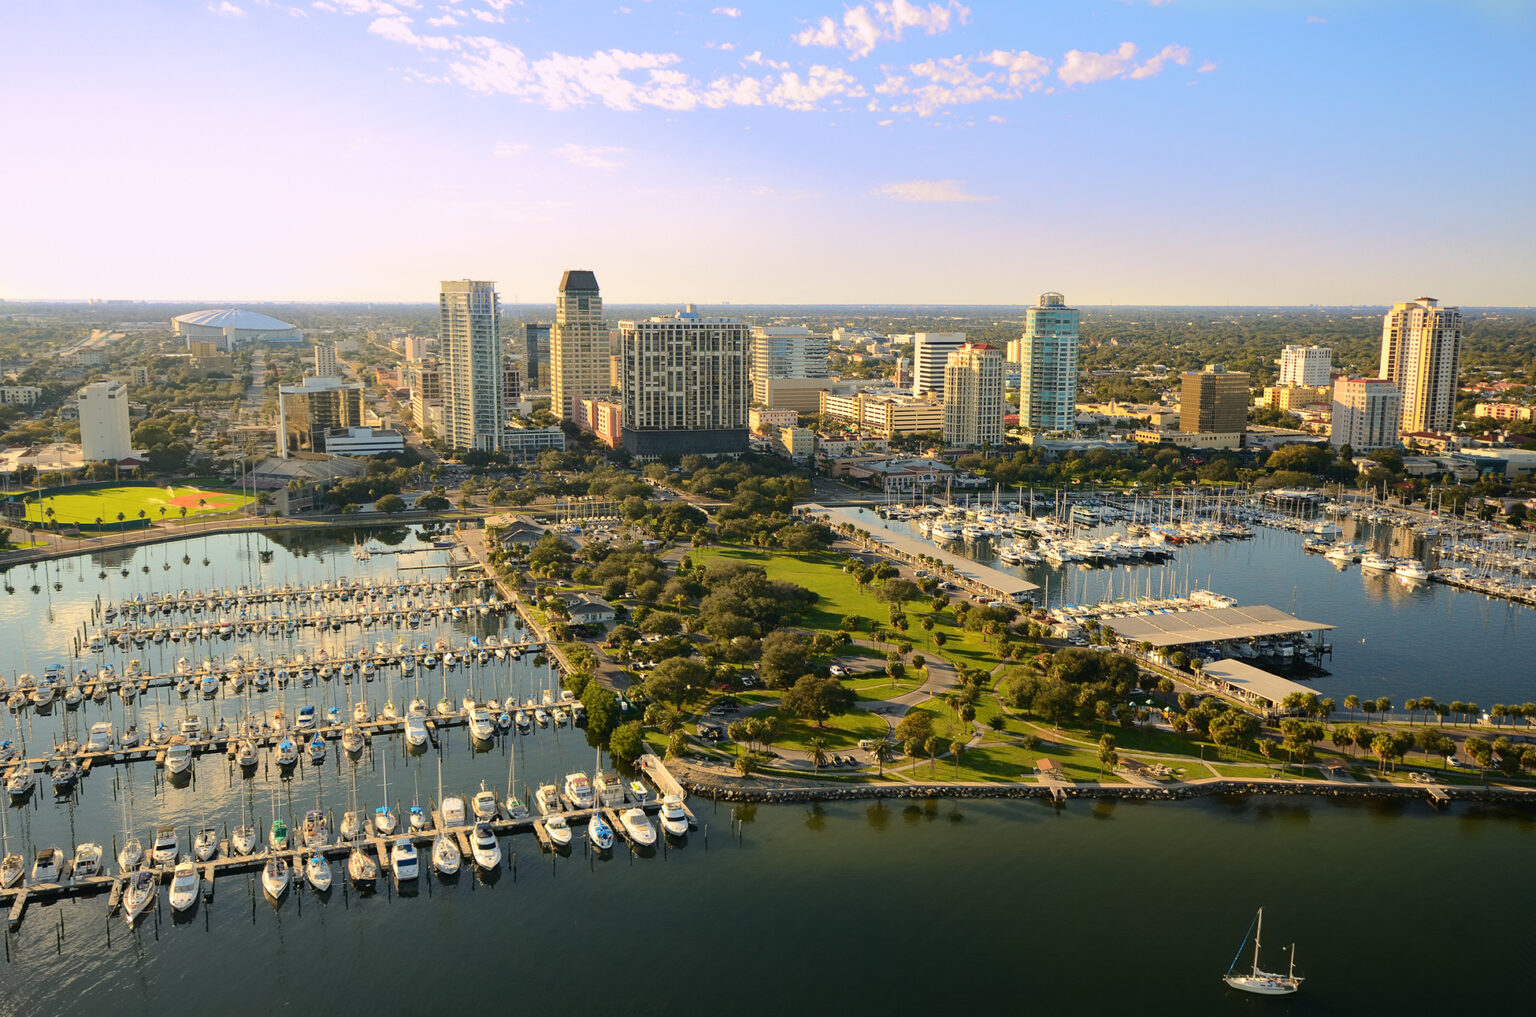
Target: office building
[(1214, 401), (765, 420), (603, 420), (363, 441), (1311, 366), (415, 348), (523, 444), (1048, 366), (973, 396), (685, 384), (426, 384), (578, 344), (306, 412), (104, 432), (1366, 413), (930, 355), (1290, 398), (469, 341), (511, 382), (885, 416), (795, 358), (1421, 355), (536, 352), (903, 372), (325, 361)]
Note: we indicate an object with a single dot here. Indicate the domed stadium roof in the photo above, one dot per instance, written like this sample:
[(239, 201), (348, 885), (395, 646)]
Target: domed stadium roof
[(233, 317)]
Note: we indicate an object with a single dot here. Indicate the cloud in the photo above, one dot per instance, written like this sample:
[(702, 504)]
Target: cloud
[(727, 12), (227, 10), (508, 150), (1206, 67), (590, 156), (446, 21), (929, 191), (867, 25), (398, 29), (377, 8), (995, 119), (1081, 67), (931, 85), (724, 47)]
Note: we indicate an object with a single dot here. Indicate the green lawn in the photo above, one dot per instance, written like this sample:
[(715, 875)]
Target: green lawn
[(841, 733), (105, 504)]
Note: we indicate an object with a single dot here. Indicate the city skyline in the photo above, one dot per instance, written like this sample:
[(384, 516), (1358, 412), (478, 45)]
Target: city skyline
[(1174, 153)]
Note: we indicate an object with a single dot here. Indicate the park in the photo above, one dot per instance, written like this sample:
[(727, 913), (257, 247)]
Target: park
[(109, 506)]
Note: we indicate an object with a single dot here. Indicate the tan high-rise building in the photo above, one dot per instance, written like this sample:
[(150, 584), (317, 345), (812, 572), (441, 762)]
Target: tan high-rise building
[(1214, 401), (1421, 355), (326, 364), (578, 344), (469, 339), (686, 384), (1365, 413), (973, 396)]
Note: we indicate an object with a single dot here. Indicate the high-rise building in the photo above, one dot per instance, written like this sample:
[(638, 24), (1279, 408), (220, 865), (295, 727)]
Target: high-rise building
[(326, 365), (578, 344), (973, 396), (1306, 365), (789, 367), (1048, 366), (512, 381), (1421, 355), (685, 384), (930, 355), (104, 432), (536, 349), (1214, 401), (425, 381), (903, 372), (306, 412), (415, 348), (469, 341), (1366, 413)]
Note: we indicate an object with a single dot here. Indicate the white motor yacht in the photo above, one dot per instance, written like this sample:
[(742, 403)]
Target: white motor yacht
[(87, 861), (638, 792), (100, 739), (178, 757), (484, 804), (452, 811), (1373, 562), (547, 799), (415, 729), (403, 859), (139, 894), (184, 885), (446, 857), (558, 829), (674, 821), (318, 871), (166, 847), (578, 791), (485, 847), (482, 727), (638, 826), (47, 866), (275, 877), (1412, 571)]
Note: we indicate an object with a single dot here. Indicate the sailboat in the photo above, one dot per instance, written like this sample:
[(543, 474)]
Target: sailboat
[(1263, 983), (384, 819), (446, 856), (515, 807), (13, 865)]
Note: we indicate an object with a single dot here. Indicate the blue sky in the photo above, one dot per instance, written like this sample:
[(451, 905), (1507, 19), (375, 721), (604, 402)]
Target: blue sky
[(884, 151)]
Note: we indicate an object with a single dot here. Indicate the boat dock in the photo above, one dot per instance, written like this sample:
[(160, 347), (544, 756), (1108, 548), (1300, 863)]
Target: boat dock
[(224, 864)]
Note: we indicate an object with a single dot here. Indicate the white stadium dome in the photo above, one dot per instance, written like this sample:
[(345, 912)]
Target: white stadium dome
[(231, 327)]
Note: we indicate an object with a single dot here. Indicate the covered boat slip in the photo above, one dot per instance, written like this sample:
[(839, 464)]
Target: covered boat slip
[(1210, 625), (977, 577), (1251, 684)]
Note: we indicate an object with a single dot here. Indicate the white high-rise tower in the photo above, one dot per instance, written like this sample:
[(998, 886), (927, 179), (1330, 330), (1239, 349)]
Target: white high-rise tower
[(469, 341), (1048, 366)]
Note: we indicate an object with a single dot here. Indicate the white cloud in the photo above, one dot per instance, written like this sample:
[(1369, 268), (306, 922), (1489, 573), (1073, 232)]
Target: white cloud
[(378, 8), (489, 17), (1313, 19), (1080, 67), (1206, 67), (867, 25), (928, 190), (995, 119), (446, 21), (724, 47), (590, 156), (398, 29), (227, 9), (727, 12)]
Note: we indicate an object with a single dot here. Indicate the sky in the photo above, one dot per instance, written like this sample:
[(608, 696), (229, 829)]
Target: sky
[(799, 151)]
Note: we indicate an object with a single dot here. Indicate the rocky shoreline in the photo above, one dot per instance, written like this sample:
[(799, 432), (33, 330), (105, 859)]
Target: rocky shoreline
[(715, 787)]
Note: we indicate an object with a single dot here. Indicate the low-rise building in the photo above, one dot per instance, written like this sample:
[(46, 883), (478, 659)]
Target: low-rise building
[(19, 395), (1190, 439), (363, 441), (840, 444), (524, 443), (766, 420), (1289, 398), (1503, 411), (894, 474), (885, 415), (795, 442), (585, 609), (601, 418)]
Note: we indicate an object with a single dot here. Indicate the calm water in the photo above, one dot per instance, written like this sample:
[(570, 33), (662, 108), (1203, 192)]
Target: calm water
[(1390, 639), (857, 908)]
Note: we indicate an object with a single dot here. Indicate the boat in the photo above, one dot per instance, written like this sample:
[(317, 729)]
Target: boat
[(361, 867), (12, 868), (351, 741), (287, 752), (638, 792), (416, 729), (47, 866), (318, 871), (557, 829), (184, 885), (316, 829), (384, 819), (1258, 981), (242, 839), (1373, 562), (131, 855), (275, 876), (577, 791), (403, 859), (166, 847), (673, 818), (484, 804), (1412, 571), (609, 788), (277, 837), (87, 861), (100, 739), (206, 844), (599, 832), (246, 754), (21, 781), (446, 857), (64, 777), (138, 895), (485, 847), (638, 826), (482, 727), (178, 757)]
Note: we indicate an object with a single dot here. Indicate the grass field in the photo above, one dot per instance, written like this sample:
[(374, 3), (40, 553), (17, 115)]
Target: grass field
[(104, 504)]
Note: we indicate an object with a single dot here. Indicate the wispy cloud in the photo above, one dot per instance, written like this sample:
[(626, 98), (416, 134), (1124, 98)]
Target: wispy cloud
[(1080, 67), (227, 10), (930, 191), (727, 12), (590, 156), (866, 26), (1313, 19), (398, 29)]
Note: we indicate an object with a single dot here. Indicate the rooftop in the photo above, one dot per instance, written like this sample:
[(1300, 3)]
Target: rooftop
[(233, 317), (578, 279), (1211, 625), (1251, 682)]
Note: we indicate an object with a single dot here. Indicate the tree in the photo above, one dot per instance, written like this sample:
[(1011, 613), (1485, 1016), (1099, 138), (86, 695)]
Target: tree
[(786, 656), (916, 726), (880, 752), (626, 743), (670, 680), (956, 749), (931, 745), (813, 698), (1351, 703), (1108, 755), (818, 750), (390, 503)]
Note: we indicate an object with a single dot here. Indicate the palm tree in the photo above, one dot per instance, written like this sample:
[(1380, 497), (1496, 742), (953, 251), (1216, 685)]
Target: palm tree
[(956, 748), (1351, 703), (1383, 705), (1266, 749), (881, 752), (818, 748), (1108, 756), (932, 747)]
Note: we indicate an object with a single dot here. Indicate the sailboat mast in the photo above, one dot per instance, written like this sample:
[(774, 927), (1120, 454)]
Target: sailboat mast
[(1257, 933)]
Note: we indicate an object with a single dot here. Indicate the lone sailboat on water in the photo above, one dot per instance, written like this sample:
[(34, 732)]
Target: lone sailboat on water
[(1264, 983)]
